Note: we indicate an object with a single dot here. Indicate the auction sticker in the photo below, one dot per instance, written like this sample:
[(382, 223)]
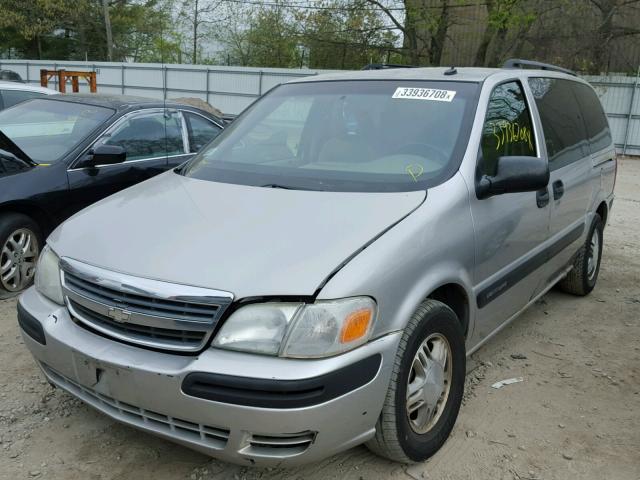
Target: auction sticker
[(432, 94)]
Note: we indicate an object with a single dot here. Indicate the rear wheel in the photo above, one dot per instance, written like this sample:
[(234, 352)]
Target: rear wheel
[(426, 387), (20, 242), (586, 266)]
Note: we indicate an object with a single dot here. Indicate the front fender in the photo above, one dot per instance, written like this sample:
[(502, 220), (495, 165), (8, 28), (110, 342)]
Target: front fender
[(431, 247)]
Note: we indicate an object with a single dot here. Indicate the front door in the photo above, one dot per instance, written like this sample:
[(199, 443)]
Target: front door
[(510, 229), (199, 132), (149, 137)]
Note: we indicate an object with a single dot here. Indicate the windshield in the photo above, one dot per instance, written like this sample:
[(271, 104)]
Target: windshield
[(47, 130), (369, 136)]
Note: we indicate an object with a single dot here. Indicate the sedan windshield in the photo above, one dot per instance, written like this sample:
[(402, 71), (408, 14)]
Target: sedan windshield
[(46, 130), (368, 136)]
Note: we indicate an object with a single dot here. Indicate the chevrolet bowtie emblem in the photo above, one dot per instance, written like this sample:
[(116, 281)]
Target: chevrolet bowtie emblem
[(119, 315)]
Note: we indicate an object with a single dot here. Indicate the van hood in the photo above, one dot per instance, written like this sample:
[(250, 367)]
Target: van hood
[(249, 241)]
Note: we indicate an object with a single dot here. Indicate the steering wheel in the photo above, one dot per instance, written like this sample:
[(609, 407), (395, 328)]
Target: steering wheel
[(428, 152)]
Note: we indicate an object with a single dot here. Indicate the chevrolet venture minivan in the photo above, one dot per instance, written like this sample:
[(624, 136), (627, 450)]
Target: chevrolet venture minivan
[(315, 277)]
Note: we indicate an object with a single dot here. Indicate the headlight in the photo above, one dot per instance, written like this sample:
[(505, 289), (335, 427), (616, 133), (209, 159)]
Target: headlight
[(257, 328), (48, 276), (297, 330)]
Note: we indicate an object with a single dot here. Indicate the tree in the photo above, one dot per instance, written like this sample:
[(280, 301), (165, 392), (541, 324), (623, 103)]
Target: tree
[(502, 15), (262, 36), (608, 29), (272, 39), (199, 14), (107, 27), (33, 19), (424, 27), (347, 35)]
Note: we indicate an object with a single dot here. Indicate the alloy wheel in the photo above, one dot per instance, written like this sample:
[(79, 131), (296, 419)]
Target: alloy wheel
[(593, 254), (429, 383), (18, 259)]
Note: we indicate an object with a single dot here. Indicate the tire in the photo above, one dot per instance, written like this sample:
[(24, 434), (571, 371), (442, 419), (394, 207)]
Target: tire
[(397, 437), (16, 228), (584, 274)]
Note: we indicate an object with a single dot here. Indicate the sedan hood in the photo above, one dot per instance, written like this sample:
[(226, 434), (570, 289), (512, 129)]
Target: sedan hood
[(246, 240)]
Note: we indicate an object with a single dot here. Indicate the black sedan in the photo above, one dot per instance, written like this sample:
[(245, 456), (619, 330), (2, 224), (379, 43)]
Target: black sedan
[(62, 153)]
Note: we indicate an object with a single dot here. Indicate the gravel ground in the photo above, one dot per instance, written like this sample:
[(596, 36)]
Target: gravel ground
[(575, 416)]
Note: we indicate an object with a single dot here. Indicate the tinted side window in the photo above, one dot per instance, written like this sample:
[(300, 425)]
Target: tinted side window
[(594, 117), (201, 131), (13, 97), (507, 127), (149, 135), (562, 123)]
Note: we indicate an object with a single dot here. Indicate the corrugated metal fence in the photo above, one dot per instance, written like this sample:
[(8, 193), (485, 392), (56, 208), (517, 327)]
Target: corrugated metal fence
[(232, 89), (620, 97)]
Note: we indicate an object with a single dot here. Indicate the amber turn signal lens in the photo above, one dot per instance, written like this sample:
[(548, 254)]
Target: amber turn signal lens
[(356, 325)]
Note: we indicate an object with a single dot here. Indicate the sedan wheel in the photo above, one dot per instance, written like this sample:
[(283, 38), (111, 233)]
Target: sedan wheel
[(18, 259)]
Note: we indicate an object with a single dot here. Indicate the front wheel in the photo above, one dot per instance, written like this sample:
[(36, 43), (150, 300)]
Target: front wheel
[(426, 388), (19, 250)]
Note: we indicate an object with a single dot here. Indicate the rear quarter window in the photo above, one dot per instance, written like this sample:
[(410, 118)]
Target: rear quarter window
[(595, 119)]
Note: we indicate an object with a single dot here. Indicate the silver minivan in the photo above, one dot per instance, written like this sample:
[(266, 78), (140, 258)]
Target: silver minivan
[(315, 278)]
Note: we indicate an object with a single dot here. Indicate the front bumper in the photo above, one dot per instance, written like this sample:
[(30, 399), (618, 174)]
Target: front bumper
[(144, 389)]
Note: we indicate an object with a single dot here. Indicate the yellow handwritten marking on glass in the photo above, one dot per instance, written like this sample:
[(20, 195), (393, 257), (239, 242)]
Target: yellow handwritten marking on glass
[(415, 170), (511, 132)]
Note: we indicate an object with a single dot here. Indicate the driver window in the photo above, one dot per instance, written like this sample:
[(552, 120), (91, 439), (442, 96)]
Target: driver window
[(149, 135), (507, 127)]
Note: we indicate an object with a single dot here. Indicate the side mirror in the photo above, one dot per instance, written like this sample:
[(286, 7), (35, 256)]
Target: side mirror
[(106, 155), (515, 174)]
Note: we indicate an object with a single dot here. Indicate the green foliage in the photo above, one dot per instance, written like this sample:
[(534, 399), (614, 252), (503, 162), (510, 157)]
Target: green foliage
[(75, 29), (339, 34), (272, 39), (594, 35), (345, 35), (504, 14)]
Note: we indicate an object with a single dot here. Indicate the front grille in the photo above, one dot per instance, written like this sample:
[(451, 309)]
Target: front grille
[(211, 437), (144, 312), (141, 304), (166, 336)]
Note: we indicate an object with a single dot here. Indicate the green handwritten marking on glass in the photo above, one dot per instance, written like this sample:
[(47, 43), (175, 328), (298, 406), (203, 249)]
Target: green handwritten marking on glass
[(511, 132), (415, 170)]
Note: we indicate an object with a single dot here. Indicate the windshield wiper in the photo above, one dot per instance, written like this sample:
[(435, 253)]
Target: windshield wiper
[(287, 187)]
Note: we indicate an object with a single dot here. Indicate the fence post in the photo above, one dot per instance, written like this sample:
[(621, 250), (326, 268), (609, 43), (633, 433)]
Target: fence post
[(207, 73), (27, 64), (260, 84), (122, 78), (164, 82), (630, 116)]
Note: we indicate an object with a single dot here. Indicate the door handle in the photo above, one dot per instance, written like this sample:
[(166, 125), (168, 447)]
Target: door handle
[(542, 197), (558, 189)]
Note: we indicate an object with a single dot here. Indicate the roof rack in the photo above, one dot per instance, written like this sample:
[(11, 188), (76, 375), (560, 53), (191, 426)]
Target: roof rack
[(384, 66), (519, 63)]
